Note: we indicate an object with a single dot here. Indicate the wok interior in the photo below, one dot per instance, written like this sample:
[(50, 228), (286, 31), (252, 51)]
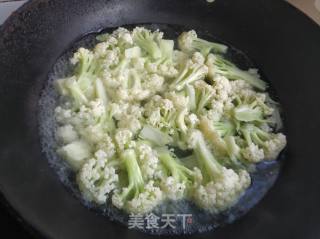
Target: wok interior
[(262, 179)]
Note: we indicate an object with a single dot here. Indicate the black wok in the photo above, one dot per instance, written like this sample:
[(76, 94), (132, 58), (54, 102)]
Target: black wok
[(283, 43)]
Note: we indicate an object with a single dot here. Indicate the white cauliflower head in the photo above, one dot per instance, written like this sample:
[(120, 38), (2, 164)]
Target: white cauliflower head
[(123, 138), (274, 146), (148, 160), (253, 153), (96, 179), (224, 192), (174, 189)]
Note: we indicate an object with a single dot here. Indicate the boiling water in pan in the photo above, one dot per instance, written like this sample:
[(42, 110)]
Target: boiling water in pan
[(191, 219)]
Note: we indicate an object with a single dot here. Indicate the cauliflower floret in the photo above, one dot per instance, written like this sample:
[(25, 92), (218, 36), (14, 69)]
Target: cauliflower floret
[(138, 63), (139, 95), (66, 134), (253, 153), (119, 109), (239, 85), (192, 120), (121, 94), (123, 35), (224, 192), (107, 146), (97, 108), (166, 105), (216, 111), (82, 118), (179, 101), (109, 81), (151, 67), (139, 196), (148, 160), (186, 40), (135, 110), (123, 138), (174, 189), (93, 133), (63, 116), (274, 146), (222, 87), (154, 83), (146, 200), (75, 153), (130, 122), (157, 102), (100, 49), (96, 179), (154, 117), (197, 57), (112, 57), (167, 70), (78, 55)]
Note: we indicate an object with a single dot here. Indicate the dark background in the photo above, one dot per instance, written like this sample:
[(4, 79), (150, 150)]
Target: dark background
[(10, 226)]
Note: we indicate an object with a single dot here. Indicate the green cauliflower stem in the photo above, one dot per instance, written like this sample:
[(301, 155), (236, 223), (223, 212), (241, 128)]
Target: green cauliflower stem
[(137, 197), (191, 73), (189, 43), (179, 179), (218, 65), (220, 135)]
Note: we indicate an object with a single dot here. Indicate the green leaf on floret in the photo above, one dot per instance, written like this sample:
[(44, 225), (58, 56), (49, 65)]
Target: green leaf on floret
[(133, 52), (103, 37), (220, 65), (154, 135), (166, 48), (247, 113), (225, 127), (189, 43)]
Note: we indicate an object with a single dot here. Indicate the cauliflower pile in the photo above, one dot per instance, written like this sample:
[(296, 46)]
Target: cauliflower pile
[(134, 102)]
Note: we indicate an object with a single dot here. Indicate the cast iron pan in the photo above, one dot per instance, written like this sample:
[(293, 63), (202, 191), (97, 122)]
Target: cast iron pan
[(283, 42)]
